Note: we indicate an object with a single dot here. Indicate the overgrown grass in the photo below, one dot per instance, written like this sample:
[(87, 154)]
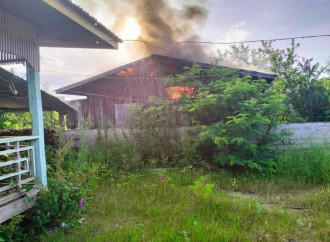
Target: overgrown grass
[(310, 164), (164, 207), (126, 203)]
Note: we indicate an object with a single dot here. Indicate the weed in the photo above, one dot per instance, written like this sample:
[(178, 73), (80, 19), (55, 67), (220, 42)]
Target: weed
[(11, 231), (201, 188)]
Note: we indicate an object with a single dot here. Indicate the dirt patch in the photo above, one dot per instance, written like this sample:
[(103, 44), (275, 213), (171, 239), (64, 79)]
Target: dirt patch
[(265, 201)]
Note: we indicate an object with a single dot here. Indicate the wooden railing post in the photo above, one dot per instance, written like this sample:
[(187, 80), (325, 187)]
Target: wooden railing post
[(35, 105), (18, 165)]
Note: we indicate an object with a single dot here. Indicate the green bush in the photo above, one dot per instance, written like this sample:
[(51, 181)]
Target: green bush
[(11, 230), (59, 205), (235, 115)]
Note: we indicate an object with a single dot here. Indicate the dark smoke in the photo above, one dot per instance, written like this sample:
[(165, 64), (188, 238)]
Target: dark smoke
[(194, 12), (159, 22)]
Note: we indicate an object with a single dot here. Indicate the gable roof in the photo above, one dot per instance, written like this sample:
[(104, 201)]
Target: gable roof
[(10, 102), (61, 23), (66, 89)]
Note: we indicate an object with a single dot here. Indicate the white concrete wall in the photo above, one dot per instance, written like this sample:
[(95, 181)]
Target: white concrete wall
[(305, 133), (301, 134)]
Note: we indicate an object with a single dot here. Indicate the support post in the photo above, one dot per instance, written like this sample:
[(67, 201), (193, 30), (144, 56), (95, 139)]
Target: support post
[(35, 105), (61, 120)]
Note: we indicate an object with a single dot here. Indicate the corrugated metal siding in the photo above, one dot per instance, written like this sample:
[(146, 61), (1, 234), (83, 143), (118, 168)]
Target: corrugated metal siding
[(18, 41)]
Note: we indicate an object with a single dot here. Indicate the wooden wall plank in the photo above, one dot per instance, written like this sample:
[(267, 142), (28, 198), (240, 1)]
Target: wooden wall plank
[(18, 206)]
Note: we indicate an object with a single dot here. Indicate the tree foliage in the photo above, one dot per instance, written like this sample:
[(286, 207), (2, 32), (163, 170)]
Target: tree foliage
[(236, 115), (302, 80), (23, 120)]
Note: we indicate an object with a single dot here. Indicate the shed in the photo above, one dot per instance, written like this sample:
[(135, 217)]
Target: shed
[(109, 93)]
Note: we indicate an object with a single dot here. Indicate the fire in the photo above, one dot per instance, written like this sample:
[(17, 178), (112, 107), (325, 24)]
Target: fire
[(121, 73), (131, 30), (177, 92), (127, 70)]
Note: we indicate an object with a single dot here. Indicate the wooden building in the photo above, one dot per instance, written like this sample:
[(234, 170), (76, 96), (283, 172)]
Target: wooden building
[(109, 93), (25, 26)]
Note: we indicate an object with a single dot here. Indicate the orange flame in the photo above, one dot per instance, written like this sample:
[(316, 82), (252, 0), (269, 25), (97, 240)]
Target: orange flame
[(121, 73), (177, 92)]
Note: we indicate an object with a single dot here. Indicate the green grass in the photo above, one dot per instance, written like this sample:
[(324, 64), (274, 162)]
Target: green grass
[(161, 207), (310, 165)]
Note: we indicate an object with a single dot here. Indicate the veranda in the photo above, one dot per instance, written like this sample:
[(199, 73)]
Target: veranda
[(25, 26)]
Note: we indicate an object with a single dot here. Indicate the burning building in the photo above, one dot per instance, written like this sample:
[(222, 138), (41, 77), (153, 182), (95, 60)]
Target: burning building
[(109, 93)]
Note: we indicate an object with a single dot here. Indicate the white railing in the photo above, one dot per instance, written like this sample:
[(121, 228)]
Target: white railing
[(17, 163)]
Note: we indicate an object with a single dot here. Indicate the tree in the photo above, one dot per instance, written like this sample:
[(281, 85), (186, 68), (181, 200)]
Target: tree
[(298, 77), (21, 120), (235, 115)]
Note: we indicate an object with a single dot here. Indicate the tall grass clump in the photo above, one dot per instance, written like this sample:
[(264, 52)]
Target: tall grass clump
[(154, 129), (310, 164), (115, 151)]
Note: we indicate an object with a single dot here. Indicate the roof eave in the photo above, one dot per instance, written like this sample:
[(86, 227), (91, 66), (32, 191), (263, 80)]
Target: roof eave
[(82, 18)]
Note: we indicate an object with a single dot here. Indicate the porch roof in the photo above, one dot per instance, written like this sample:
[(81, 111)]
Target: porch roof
[(61, 23), (14, 96)]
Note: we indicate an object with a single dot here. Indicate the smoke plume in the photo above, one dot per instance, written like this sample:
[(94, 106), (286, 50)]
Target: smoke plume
[(161, 23)]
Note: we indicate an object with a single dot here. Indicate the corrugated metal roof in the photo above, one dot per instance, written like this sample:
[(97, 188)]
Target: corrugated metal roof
[(20, 100), (61, 23), (92, 19)]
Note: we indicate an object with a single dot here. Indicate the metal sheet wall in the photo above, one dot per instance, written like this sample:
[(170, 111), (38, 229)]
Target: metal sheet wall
[(18, 41)]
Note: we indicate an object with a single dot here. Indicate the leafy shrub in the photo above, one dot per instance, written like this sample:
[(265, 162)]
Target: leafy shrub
[(193, 150), (235, 115), (10, 231), (58, 205)]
